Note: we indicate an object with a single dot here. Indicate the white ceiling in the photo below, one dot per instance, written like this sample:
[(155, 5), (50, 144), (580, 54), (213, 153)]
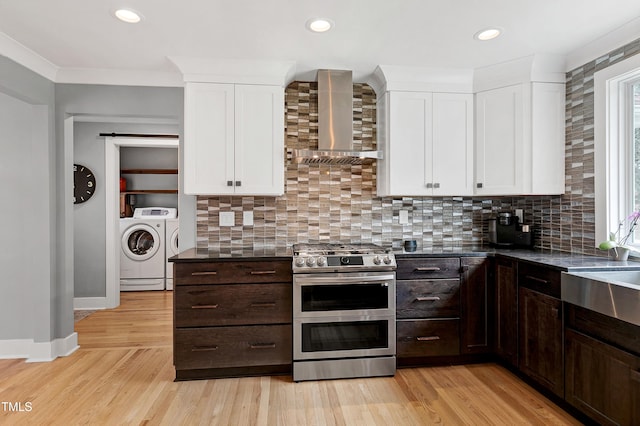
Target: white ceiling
[(82, 38)]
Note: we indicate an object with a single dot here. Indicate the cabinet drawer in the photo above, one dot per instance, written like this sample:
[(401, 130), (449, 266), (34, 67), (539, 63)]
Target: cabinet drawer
[(431, 337), (441, 267), (227, 304), (538, 278), (222, 347), (232, 272), (428, 298)]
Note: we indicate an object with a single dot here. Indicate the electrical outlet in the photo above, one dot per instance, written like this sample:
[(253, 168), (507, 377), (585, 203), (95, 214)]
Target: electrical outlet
[(404, 217), (247, 218), (227, 219)]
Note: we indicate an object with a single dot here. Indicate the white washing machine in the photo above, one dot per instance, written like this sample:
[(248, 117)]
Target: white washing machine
[(142, 249), (171, 231)]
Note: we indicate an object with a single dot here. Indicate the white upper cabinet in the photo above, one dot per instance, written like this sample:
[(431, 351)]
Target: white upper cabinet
[(520, 140), (427, 143), (233, 139)]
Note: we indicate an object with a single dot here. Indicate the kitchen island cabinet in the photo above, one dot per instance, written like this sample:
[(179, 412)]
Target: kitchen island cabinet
[(232, 318), (233, 139)]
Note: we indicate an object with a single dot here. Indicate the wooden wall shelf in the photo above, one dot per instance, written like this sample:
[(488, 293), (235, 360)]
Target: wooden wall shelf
[(151, 191), (149, 171)]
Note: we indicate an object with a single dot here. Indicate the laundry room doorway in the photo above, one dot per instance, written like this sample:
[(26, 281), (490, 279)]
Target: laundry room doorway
[(140, 158)]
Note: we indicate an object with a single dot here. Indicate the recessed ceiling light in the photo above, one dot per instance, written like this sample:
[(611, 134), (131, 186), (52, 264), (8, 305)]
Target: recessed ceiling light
[(319, 25), (129, 16), (487, 34)]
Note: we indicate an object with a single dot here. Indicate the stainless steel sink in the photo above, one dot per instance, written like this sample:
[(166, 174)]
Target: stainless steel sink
[(612, 293)]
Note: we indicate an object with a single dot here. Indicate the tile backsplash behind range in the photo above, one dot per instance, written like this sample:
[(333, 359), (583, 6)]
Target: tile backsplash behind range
[(338, 203)]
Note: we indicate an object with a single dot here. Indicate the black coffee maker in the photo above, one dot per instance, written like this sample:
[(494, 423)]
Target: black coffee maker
[(506, 231)]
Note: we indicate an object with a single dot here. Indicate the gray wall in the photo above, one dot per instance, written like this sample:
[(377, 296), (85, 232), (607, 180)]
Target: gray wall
[(30, 307), (89, 217)]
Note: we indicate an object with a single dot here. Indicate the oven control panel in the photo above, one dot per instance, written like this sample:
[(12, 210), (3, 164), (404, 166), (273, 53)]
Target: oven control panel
[(311, 263)]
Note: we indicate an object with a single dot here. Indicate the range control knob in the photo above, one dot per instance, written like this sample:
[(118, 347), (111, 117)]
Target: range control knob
[(386, 260), (311, 261), (377, 260), (322, 261), (300, 261)]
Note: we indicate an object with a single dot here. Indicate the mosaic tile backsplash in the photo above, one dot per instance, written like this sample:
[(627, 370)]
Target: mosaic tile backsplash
[(325, 203)]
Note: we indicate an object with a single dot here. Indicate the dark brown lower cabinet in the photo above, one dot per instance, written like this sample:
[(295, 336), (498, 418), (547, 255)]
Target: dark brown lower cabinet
[(476, 305), (506, 311), (602, 381), (602, 366), (540, 328), (232, 318)]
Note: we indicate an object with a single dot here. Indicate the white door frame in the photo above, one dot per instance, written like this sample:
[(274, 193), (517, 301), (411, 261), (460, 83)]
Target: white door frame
[(112, 198)]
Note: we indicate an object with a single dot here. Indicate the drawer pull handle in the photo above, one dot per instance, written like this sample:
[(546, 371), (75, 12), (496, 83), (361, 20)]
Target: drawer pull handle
[(263, 305), (427, 338), (205, 306), (262, 345), (427, 298), (204, 348), (428, 269), (203, 273), (538, 280), (263, 272)]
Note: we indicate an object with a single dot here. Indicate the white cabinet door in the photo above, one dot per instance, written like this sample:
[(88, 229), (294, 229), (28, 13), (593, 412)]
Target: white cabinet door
[(427, 139), (520, 142), (499, 141), (452, 148), (259, 131), (233, 139), (409, 143), (548, 138), (208, 138)]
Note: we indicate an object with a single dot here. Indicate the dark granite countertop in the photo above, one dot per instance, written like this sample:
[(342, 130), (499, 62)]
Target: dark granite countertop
[(567, 261), (242, 253), (559, 260)]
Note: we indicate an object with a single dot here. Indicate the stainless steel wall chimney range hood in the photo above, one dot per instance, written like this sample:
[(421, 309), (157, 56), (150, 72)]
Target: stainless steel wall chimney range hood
[(335, 123)]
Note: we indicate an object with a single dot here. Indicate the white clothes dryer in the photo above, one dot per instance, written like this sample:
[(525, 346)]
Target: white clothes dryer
[(171, 247)]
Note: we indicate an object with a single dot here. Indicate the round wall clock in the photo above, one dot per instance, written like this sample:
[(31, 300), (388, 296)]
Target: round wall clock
[(84, 183)]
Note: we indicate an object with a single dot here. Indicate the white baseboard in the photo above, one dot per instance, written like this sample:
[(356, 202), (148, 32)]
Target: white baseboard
[(38, 351), (83, 303)]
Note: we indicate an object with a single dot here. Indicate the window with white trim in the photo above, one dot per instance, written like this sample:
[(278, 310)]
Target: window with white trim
[(617, 148)]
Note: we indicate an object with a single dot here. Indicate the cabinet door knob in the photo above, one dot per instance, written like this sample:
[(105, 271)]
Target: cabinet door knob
[(238, 183), (429, 185), (229, 183), (436, 185), (478, 185)]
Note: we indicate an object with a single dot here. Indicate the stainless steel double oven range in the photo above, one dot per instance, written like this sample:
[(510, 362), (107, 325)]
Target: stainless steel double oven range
[(344, 299)]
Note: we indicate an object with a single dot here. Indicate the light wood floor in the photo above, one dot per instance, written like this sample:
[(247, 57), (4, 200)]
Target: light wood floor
[(123, 374)]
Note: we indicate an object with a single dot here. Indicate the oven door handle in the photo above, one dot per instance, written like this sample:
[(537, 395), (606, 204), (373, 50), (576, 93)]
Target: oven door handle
[(324, 279)]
